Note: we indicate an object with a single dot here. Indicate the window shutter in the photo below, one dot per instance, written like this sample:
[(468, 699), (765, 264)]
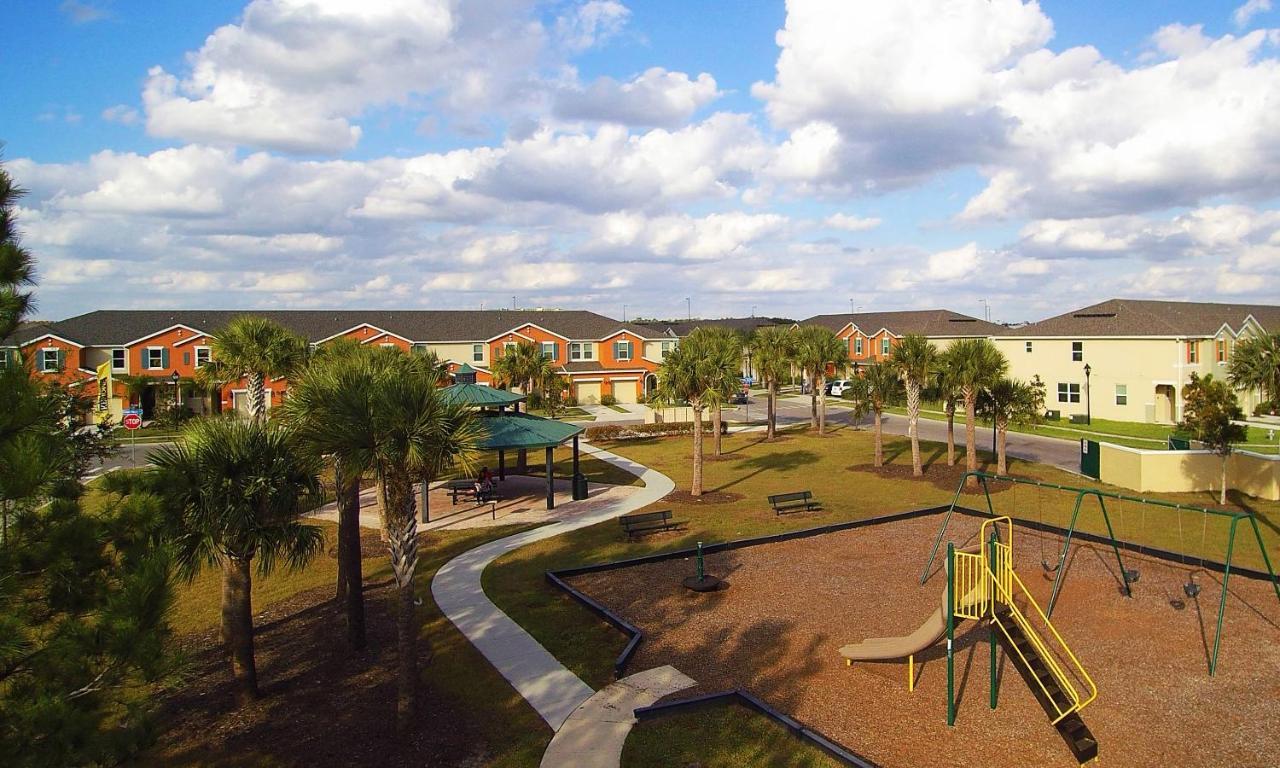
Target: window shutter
[(164, 357), (616, 351), (62, 360), (186, 358)]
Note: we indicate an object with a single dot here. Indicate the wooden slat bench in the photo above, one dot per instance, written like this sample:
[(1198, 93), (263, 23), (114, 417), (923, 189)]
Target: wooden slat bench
[(462, 486), (794, 502), (647, 522)]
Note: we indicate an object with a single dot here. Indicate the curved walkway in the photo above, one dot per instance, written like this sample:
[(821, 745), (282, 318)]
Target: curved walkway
[(543, 681)]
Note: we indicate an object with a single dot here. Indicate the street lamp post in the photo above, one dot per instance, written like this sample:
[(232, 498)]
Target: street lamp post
[(177, 393), (1088, 396), (688, 309)]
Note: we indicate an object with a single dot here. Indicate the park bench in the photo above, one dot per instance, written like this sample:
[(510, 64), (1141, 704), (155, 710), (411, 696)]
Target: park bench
[(646, 522), (463, 486), (792, 502)]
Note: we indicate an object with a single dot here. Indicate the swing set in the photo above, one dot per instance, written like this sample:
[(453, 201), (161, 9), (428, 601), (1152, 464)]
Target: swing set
[(1129, 576)]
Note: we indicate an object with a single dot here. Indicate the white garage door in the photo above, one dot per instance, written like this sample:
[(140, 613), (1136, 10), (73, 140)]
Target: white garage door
[(588, 393), (625, 391)]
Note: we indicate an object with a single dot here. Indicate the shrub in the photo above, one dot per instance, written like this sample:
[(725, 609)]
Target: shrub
[(608, 400), (570, 400)]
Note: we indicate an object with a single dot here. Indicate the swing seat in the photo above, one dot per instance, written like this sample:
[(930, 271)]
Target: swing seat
[(1132, 575), (1049, 568), (1191, 589)]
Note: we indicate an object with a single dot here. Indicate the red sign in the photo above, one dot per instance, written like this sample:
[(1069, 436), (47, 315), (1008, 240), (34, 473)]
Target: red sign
[(131, 421)]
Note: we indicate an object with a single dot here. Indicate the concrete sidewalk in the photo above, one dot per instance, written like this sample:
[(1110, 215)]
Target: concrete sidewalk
[(539, 677)]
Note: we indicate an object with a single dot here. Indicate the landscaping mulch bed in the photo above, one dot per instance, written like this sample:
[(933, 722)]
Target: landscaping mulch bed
[(322, 704), (707, 497), (791, 605), (938, 473)]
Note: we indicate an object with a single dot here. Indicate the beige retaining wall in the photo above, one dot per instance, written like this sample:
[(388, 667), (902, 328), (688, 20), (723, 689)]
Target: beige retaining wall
[(1186, 471)]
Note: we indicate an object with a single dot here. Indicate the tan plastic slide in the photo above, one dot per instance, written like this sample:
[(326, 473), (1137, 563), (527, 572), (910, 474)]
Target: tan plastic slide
[(930, 632)]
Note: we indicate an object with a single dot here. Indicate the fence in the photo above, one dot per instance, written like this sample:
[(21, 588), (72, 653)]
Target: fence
[(1251, 473)]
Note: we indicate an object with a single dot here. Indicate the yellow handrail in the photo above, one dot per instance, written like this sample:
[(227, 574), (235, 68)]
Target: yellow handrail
[(1005, 596)]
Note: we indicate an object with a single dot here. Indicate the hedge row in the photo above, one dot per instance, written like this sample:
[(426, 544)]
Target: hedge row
[(661, 429)]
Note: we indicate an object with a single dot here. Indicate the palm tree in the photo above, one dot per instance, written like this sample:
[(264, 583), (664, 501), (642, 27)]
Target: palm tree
[(880, 384), (329, 409), (724, 371), (914, 359), (949, 393), (238, 491), (256, 349), (17, 269), (974, 365), (818, 349), (1255, 364), (772, 351), (690, 374), (1012, 401), (415, 433)]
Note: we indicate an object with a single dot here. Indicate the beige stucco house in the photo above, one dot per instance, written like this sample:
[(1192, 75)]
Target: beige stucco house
[(1139, 353)]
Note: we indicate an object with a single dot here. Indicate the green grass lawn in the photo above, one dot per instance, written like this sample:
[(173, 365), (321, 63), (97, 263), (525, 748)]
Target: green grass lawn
[(571, 413), (698, 738), (754, 469)]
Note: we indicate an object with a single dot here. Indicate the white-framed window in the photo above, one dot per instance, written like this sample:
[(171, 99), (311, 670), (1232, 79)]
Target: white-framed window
[(477, 353), (1077, 351), (1122, 394), (1193, 352), (507, 346), (857, 346), (387, 344), (550, 351), (581, 350), (668, 347), (119, 359), (203, 356), (4, 358), (1220, 350), (155, 358), (1068, 393), (50, 360), (884, 347), (622, 350), (1028, 347)]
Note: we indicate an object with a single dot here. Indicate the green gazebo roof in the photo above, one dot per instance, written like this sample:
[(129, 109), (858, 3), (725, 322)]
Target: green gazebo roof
[(521, 430), (474, 394)]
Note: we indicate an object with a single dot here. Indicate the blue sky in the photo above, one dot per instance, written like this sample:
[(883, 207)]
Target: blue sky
[(590, 153)]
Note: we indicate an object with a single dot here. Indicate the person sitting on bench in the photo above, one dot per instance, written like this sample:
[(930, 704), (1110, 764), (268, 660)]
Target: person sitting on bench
[(484, 485)]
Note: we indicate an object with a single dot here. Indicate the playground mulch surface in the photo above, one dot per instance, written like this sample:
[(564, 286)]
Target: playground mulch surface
[(777, 629)]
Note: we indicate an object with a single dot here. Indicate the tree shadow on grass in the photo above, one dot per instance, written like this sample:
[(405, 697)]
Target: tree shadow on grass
[(782, 461)]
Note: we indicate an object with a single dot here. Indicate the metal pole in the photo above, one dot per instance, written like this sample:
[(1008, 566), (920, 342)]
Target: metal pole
[(991, 510), (1106, 517), (1263, 549), (991, 627), (551, 488), (502, 464), (1222, 601), (1062, 560), (945, 521), (701, 570), (951, 634)]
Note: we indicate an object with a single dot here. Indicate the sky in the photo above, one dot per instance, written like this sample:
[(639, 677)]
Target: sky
[(645, 159)]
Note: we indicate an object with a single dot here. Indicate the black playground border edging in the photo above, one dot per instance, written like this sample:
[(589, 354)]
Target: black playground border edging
[(744, 698)]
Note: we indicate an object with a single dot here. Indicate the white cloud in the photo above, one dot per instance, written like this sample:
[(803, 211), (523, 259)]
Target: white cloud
[(655, 97), (291, 75), (591, 23), (82, 12), (1245, 13), (120, 113), (851, 223)]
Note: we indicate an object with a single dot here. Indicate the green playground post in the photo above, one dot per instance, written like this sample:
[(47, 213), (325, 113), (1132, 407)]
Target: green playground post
[(1222, 601), (951, 634), (1257, 534), (991, 510), (1066, 546), (991, 626), (945, 522)]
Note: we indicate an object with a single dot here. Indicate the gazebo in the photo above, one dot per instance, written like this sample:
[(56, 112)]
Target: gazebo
[(514, 430)]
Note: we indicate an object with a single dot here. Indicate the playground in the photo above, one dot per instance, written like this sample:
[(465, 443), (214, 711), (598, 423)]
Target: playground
[(791, 606)]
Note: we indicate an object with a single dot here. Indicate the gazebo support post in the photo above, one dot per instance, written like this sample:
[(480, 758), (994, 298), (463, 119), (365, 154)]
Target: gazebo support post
[(502, 464), (551, 480)]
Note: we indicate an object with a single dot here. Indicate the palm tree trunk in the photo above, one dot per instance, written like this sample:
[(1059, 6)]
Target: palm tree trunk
[(951, 432), (913, 419), (237, 626), (403, 548), (821, 389), (971, 434), (716, 423), (1002, 430), (771, 431), (350, 577), (813, 402), (696, 489), (258, 395), (879, 440)]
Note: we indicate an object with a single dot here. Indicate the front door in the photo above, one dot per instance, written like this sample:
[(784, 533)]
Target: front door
[(1164, 403)]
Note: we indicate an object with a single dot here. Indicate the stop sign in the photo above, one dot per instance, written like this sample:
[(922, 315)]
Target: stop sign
[(131, 421)]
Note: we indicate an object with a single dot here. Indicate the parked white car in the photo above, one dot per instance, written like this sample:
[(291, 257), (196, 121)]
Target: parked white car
[(838, 387)]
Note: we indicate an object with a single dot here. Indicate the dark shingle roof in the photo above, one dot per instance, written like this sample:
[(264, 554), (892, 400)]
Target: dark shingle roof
[(119, 326), (740, 324), (926, 322), (1141, 317)]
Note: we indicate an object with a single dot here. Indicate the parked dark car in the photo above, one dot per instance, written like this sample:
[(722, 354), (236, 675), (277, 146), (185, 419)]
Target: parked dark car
[(739, 398)]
